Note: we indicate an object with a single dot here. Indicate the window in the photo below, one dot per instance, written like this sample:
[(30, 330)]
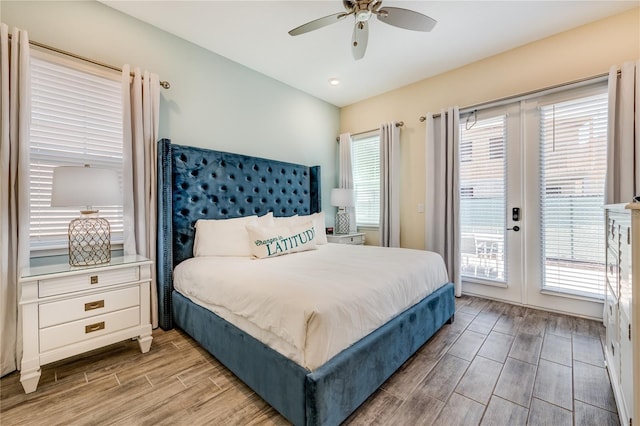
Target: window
[(496, 148), (76, 119), (466, 192), (365, 157), (466, 147)]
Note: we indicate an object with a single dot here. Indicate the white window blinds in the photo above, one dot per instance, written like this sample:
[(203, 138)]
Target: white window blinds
[(365, 157), (482, 198), (573, 143), (76, 120)]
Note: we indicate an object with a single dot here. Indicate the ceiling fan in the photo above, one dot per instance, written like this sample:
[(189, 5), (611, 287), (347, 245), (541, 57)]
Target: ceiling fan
[(362, 10)]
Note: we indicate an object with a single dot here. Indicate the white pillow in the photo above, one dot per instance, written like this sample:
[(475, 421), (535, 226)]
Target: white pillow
[(266, 220), (275, 241), (318, 223), (281, 221), (223, 237)]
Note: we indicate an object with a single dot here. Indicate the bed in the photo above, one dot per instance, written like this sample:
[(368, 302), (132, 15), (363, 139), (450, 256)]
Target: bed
[(196, 183)]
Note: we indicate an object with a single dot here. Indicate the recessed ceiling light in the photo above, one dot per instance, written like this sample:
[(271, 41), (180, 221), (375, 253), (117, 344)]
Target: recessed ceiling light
[(334, 81)]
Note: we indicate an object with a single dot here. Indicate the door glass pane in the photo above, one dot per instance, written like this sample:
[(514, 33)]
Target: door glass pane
[(482, 199), (573, 143)]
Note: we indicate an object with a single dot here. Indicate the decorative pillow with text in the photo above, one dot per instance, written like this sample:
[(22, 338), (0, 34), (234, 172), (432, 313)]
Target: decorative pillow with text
[(276, 241)]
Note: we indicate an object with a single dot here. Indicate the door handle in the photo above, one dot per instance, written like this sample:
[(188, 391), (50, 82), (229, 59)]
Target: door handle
[(515, 229)]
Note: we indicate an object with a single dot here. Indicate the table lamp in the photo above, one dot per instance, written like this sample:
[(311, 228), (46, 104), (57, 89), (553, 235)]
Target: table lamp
[(342, 198), (89, 235)]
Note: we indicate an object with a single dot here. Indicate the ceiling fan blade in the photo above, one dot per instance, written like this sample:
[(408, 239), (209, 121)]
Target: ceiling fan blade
[(360, 39), (318, 23), (407, 19), (348, 4)]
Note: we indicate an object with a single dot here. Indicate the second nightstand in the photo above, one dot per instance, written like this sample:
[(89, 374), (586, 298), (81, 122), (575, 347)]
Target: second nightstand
[(355, 238)]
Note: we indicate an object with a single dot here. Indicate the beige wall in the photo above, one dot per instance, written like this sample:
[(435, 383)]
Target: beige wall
[(582, 52)]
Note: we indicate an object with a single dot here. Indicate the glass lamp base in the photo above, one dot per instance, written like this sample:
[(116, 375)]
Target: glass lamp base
[(89, 241), (342, 222)]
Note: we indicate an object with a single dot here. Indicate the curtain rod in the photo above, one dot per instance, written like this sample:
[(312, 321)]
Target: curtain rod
[(521, 96), (164, 84), (398, 124)]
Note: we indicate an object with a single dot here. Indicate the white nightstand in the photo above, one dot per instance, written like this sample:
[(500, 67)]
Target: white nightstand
[(355, 239), (69, 310)]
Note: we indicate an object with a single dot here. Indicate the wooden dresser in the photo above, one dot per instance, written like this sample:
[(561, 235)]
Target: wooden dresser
[(70, 310), (622, 313)]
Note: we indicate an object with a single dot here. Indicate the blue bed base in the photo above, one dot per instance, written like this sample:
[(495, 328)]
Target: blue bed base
[(196, 183)]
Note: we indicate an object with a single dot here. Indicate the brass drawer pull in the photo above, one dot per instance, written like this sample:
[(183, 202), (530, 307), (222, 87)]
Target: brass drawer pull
[(94, 327), (94, 279), (94, 305)]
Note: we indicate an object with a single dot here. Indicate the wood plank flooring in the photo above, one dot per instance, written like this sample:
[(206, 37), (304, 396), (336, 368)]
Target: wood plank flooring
[(497, 364)]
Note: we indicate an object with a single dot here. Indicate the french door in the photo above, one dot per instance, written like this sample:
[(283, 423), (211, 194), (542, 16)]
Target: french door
[(490, 180), (531, 195)]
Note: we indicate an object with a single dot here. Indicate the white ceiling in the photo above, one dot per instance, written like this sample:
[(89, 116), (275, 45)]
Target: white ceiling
[(254, 33)]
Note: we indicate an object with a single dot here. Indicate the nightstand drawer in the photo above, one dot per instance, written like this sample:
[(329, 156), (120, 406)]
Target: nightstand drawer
[(358, 239), (354, 239), (87, 281), (88, 328), (55, 313)]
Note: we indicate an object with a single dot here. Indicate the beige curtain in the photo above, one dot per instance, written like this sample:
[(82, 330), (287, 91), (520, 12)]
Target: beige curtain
[(442, 220), (623, 147), (141, 106), (346, 175), (15, 112), (389, 185)]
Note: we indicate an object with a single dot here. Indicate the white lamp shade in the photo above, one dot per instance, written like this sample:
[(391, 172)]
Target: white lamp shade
[(341, 197), (77, 186)]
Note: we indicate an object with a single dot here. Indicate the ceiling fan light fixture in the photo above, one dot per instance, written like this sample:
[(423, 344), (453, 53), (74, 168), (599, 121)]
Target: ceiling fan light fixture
[(363, 15)]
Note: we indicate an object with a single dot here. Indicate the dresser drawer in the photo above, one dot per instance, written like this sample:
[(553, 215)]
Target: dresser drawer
[(611, 318), (55, 313), (88, 328), (614, 359), (86, 281), (613, 273)]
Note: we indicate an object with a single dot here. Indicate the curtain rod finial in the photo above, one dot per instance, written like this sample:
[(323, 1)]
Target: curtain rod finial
[(165, 84)]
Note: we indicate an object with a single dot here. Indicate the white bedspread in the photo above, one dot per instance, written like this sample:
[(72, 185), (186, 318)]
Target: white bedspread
[(310, 306)]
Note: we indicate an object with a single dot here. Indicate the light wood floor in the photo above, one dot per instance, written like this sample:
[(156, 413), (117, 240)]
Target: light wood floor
[(497, 364)]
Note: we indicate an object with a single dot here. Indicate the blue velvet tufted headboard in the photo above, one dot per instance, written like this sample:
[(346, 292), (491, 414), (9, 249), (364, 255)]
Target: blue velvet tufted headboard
[(197, 183)]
